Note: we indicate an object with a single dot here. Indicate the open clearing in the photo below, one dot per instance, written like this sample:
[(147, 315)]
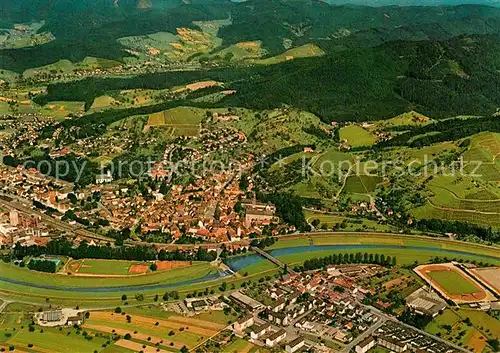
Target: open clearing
[(356, 136)]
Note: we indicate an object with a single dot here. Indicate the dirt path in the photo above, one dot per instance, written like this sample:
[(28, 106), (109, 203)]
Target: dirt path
[(137, 347)]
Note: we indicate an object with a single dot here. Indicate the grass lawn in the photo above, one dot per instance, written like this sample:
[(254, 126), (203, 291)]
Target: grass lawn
[(217, 316), (362, 184), (425, 246), (453, 282), (54, 341), (357, 136), (60, 283), (238, 345), (108, 267)]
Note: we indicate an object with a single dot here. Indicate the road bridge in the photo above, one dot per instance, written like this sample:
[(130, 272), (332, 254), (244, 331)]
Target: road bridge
[(272, 259)]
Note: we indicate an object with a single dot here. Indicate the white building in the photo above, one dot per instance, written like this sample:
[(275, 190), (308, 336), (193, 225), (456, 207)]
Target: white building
[(295, 345), (365, 345), (243, 323), (104, 178), (260, 331), (275, 338)]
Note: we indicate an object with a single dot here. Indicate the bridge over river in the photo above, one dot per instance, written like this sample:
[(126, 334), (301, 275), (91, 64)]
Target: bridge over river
[(272, 259)]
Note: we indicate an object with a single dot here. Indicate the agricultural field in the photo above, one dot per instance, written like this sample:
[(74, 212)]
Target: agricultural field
[(484, 147), (182, 121), (332, 161), (242, 51), (411, 118), (346, 223), (432, 211), (453, 325), (356, 136), (165, 333), (175, 47), (103, 103), (67, 67)]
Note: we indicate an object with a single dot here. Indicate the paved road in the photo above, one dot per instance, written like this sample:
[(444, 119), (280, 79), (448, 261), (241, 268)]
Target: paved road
[(365, 334), (390, 318)]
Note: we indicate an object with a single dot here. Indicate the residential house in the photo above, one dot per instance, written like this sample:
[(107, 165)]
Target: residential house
[(365, 345), (295, 345), (275, 338)]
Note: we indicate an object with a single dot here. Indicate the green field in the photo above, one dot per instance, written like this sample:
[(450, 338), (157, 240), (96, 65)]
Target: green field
[(356, 136), (60, 110), (333, 161), (450, 323), (236, 346), (362, 184), (105, 267), (453, 282), (304, 51), (52, 340), (60, 282)]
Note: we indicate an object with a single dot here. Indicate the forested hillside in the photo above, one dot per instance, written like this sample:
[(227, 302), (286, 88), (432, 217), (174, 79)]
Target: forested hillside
[(440, 79), (92, 27)]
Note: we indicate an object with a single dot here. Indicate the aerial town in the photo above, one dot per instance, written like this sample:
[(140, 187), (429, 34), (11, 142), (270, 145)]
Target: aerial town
[(249, 176)]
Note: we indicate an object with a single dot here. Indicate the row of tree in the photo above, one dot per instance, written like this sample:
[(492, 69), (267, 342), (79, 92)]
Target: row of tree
[(64, 247), (352, 258)]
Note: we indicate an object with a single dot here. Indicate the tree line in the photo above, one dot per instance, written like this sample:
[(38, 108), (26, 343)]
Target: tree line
[(64, 247), (351, 258)]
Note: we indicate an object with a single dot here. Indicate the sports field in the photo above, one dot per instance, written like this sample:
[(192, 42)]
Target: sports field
[(107, 267), (453, 283)]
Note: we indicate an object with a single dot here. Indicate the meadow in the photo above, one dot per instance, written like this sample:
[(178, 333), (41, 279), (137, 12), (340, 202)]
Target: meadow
[(356, 136)]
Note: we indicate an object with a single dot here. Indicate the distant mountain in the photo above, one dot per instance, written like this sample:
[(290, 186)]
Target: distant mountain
[(91, 27)]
